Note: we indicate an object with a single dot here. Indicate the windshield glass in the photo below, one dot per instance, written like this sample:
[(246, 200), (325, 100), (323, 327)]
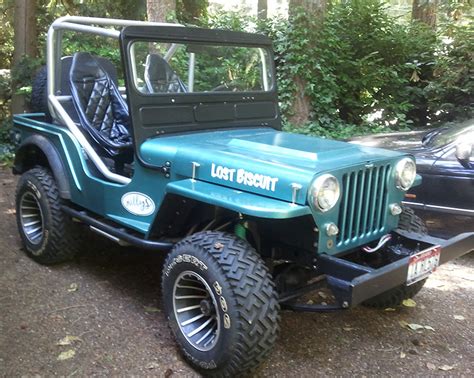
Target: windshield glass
[(452, 133), (160, 67)]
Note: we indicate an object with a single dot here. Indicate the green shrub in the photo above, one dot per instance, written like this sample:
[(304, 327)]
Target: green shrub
[(5, 119), (363, 71)]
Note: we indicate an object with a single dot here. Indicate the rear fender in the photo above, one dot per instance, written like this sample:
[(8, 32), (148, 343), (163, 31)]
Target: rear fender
[(38, 150)]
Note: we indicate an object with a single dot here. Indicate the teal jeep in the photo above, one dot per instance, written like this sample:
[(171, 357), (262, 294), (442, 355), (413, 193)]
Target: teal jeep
[(180, 150)]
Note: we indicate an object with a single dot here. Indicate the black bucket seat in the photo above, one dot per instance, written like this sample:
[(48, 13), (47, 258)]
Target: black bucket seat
[(102, 111), (160, 77)]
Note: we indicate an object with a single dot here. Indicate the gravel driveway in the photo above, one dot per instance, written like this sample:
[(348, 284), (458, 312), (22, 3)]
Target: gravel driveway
[(108, 303)]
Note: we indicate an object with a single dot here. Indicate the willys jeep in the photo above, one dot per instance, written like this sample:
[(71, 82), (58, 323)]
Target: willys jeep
[(178, 149)]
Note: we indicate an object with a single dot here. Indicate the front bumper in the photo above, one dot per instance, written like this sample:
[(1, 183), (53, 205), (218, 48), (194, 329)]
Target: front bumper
[(353, 283), (350, 288)]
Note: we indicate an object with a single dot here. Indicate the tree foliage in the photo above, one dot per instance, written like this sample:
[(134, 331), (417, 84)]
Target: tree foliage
[(6, 33), (451, 91)]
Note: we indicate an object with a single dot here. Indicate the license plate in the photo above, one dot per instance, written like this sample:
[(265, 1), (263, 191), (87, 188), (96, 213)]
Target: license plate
[(423, 264)]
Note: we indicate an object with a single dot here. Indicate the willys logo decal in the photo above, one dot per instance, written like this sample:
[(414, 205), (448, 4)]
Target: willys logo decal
[(138, 204)]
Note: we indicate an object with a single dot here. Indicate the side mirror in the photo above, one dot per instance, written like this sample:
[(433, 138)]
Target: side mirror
[(464, 152)]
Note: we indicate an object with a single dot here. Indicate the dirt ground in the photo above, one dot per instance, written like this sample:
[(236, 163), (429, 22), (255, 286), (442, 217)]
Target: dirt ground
[(109, 299)]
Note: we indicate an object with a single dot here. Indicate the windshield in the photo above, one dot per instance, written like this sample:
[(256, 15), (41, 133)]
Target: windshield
[(449, 134), (160, 67)]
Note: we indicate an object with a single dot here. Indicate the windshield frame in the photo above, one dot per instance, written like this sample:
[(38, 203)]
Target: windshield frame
[(176, 113)]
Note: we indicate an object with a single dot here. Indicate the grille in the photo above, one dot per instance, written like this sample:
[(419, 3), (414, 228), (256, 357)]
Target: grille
[(364, 199)]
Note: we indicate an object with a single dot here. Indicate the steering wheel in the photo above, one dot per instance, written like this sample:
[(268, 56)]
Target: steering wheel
[(228, 87)]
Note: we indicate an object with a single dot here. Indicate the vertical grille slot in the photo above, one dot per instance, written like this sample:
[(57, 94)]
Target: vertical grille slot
[(363, 202)]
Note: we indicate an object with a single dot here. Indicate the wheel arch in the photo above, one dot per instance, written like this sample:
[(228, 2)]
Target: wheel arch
[(182, 213), (178, 213), (38, 150)]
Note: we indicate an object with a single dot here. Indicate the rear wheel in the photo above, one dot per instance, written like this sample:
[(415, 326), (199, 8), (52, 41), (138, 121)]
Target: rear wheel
[(411, 222), (48, 235), (220, 302)]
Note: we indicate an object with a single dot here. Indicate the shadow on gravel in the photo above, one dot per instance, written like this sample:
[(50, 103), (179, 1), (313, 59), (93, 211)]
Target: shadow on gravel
[(132, 272)]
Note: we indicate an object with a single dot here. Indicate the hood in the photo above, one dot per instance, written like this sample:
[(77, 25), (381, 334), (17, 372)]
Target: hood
[(262, 160), (410, 141)]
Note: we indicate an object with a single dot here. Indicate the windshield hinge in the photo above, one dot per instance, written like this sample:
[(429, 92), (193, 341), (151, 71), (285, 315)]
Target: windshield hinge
[(166, 169)]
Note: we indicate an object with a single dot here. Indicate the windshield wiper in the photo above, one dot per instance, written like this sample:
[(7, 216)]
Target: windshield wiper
[(428, 137)]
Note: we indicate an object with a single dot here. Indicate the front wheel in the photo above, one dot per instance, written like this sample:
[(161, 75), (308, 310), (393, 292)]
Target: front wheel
[(411, 222), (220, 302)]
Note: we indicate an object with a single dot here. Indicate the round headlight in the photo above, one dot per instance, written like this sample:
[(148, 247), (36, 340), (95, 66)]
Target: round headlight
[(405, 173), (325, 192)]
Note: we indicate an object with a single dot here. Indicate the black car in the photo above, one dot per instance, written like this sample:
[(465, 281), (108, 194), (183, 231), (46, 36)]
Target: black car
[(445, 160)]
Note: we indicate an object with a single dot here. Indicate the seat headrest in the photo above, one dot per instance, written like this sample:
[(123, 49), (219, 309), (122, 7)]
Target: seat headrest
[(158, 69), (85, 66)]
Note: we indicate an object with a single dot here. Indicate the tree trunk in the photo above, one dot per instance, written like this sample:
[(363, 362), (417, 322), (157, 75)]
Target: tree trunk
[(310, 6), (192, 11), (161, 10), (425, 11), (262, 9), (302, 103), (24, 25)]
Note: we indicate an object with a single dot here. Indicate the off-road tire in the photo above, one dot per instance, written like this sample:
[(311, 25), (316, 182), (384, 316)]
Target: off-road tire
[(60, 240), (227, 262), (39, 94), (411, 222)]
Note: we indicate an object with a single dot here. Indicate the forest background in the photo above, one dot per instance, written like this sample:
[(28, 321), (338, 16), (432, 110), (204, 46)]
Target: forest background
[(344, 67)]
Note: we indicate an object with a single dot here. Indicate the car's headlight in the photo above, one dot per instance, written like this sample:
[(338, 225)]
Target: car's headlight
[(405, 173), (325, 192)]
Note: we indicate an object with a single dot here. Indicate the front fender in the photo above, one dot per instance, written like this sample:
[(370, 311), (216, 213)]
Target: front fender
[(236, 200)]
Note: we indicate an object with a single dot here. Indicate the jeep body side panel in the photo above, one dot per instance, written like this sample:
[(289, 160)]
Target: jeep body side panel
[(87, 188), (103, 197)]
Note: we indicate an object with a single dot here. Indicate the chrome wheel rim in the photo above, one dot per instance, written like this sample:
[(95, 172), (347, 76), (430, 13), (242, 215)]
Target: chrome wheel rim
[(196, 311), (31, 218)]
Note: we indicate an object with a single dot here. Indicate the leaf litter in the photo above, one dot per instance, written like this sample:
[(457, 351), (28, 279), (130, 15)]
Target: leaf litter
[(409, 303), (68, 340), (415, 326), (66, 355), (151, 309)]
